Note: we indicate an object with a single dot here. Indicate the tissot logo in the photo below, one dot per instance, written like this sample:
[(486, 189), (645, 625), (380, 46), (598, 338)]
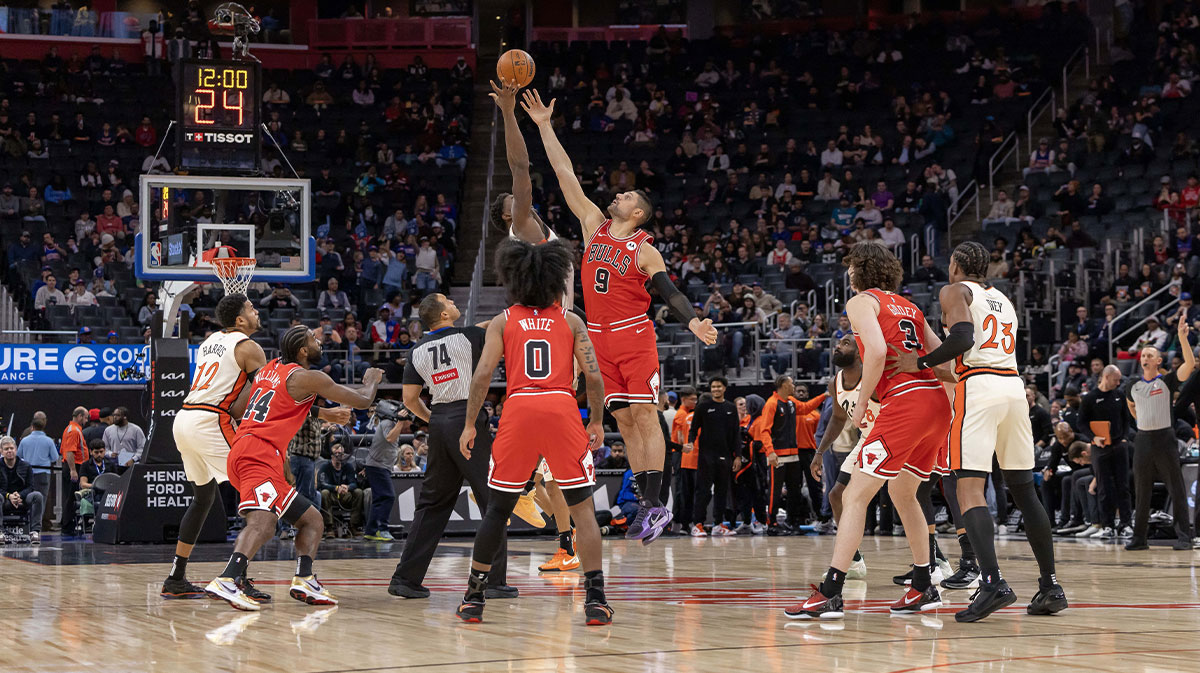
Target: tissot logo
[(171, 393), (225, 138), (172, 376)]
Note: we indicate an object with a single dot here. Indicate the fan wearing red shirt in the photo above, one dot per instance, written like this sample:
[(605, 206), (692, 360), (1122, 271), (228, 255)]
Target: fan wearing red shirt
[(619, 260), (1189, 197), (275, 407)]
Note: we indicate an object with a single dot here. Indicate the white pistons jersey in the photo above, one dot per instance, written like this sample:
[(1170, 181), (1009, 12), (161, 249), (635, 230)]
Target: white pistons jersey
[(218, 379), (568, 299), (995, 322), (847, 399)]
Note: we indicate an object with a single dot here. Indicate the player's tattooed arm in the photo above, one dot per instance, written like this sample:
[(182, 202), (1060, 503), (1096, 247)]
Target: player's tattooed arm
[(585, 355), (489, 359)]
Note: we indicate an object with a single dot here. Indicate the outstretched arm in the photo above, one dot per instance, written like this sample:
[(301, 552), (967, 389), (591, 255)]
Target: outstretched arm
[(307, 382), (590, 217), (523, 224), (650, 261), (585, 355), (493, 350)]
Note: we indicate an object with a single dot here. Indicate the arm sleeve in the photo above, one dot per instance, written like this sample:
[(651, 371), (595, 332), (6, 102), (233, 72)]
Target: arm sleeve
[(677, 301), (958, 341)]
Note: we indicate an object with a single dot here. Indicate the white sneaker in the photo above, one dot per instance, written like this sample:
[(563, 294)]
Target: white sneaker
[(1126, 533), (722, 531), (757, 528), (941, 568), (228, 590), (1002, 530), (1106, 533), (35, 538), (698, 531), (742, 528), (858, 570), (1089, 531)]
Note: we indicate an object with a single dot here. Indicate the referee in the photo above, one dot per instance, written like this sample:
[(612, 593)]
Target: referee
[(1155, 450), (444, 361)]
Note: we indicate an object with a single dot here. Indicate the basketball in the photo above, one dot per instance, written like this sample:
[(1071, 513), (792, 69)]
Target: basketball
[(517, 66)]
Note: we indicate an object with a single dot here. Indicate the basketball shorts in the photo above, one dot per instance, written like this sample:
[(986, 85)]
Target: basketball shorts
[(909, 434), (991, 415), (203, 439), (538, 427), (850, 462), (256, 471), (628, 358)]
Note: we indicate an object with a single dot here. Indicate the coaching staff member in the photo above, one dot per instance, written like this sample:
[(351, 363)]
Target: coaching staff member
[(444, 361)]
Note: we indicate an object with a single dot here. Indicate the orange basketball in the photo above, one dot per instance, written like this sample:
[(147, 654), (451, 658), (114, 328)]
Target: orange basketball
[(516, 66)]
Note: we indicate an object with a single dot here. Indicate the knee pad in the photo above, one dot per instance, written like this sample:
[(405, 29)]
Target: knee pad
[(575, 496), (501, 505), (1018, 479)]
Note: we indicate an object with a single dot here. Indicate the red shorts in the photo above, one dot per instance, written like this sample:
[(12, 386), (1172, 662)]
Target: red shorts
[(628, 359), (256, 470), (909, 434), (535, 426)]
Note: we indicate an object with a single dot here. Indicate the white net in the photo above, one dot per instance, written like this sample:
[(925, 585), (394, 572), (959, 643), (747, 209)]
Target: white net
[(235, 273)]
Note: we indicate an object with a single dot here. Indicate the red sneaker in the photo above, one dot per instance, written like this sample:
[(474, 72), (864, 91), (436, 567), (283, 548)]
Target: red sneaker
[(816, 606), (917, 601)]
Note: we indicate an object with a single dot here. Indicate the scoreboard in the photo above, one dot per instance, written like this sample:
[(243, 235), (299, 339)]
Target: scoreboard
[(218, 113)]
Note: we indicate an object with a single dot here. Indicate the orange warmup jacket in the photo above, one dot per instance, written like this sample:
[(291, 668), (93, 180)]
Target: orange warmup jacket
[(681, 425), (783, 427)]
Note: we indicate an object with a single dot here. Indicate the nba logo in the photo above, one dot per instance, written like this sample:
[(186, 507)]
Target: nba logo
[(155, 253)]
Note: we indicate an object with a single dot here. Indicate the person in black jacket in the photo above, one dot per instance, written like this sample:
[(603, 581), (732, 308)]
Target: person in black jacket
[(719, 443), (1056, 486), (1104, 412), (338, 484), (16, 485)]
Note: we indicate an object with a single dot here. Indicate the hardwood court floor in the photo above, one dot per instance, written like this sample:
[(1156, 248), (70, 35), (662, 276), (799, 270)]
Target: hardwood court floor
[(681, 605)]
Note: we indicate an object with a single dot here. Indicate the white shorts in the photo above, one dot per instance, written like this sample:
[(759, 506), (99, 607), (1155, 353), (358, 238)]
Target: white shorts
[(991, 416), (203, 439)]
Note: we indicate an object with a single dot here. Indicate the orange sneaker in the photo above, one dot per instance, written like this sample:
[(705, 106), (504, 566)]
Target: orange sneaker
[(561, 561)]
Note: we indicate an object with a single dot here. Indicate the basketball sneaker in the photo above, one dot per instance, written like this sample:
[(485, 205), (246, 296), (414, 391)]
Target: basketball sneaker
[(560, 561), (404, 589), (857, 570), (917, 601), (1136, 544), (380, 536), (1106, 533), (226, 589), (597, 614), (648, 524), (1090, 531), (501, 591), (757, 528), (941, 571), (1182, 544), (1048, 601), (904, 579), (725, 531), (310, 590), (698, 530), (528, 512), (816, 606), (966, 577), (470, 612), (987, 600), (247, 586), (173, 589), (936, 575)]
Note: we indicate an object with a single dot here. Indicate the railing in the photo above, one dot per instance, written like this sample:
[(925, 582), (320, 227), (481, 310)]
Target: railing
[(434, 32), (1013, 146), (1071, 66), (12, 325), (1135, 308), (966, 195), (481, 257), (1035, 113)]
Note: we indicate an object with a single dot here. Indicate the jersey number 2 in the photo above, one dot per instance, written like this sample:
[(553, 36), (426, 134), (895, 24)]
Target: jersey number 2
[(205, 375), (537, 359), (259, 406), (601, 285), (1007, 342), (912, 339)]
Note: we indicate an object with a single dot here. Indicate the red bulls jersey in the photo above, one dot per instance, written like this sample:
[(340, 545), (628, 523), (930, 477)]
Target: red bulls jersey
[(614, 288), (539, 346), (271, 413), (903, 326)]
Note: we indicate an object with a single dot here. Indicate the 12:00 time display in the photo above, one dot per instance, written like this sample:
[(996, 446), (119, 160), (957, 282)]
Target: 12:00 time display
[(218, 96)]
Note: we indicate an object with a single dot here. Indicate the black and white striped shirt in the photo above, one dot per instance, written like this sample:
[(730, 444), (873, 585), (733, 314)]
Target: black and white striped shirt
[(444, 361)]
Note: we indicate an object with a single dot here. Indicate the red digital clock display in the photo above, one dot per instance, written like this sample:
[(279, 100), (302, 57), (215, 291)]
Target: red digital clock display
[(219, 95)]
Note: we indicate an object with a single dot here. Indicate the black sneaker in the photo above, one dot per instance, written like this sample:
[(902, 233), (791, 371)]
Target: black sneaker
[(247, 586), (1136, 544), (404, 589), (1048, 601), (173, 589), (987, 600), (904, 579), (917, 601), (597, 614), (966, 577), (470, 612), (1182, 544), (500, 591)]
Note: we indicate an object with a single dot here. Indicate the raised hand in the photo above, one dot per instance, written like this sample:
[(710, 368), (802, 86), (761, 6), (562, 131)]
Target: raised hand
[(539, 112), (505, 95)]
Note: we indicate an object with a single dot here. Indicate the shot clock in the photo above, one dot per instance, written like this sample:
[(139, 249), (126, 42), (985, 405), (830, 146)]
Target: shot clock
[(218, 114)]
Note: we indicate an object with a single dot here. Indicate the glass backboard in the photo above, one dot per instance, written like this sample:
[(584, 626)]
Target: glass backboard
[(188, 219)]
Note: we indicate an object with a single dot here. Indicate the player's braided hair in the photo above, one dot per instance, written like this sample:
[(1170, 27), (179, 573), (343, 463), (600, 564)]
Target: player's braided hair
[(535, 275), (972, 258), (496, 211), (292, 341), (874, 266), (229, 308)]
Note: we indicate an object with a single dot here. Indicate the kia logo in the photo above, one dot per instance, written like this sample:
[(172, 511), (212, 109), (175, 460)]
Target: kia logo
[(171, 377), (167, 412), (171, 393)]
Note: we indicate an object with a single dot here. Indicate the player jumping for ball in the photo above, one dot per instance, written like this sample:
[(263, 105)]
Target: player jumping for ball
[(538, 339), (618, 260), (282, 395)]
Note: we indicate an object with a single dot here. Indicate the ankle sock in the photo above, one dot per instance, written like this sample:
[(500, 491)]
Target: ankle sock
[(236, 566), (564, 543), (834, 581), (304, 566), (920, 578), (178, 568)]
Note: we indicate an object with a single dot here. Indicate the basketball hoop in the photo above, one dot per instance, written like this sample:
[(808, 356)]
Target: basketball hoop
[(234, 272)]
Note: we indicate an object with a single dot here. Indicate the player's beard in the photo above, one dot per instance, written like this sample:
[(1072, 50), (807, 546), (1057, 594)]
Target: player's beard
[(842, 359), (315, 355)]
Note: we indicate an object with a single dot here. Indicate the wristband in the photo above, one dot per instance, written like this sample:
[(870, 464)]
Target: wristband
[(922, 365)]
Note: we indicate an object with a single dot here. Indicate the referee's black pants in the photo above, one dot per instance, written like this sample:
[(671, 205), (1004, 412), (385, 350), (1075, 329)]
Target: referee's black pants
[(445, 469), (1156, 453)]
